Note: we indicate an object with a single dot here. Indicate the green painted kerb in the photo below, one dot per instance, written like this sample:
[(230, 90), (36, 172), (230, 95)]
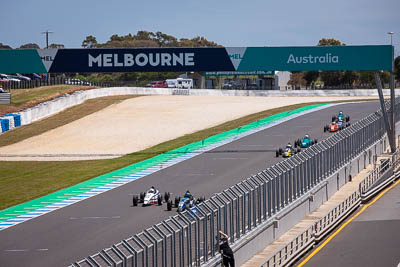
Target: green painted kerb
[(105, 179)]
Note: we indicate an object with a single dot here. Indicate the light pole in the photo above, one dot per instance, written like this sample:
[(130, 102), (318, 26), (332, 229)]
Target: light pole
[(47, 38), (391, 39), (392, 92)]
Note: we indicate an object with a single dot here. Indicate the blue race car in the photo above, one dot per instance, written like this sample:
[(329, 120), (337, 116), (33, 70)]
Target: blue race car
[(187, 202), (305, 142)]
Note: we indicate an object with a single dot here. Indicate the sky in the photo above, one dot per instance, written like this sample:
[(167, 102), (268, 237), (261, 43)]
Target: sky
[(227, 22)]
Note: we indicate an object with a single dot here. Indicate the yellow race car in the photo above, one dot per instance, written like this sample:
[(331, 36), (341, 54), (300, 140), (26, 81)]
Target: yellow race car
[(287, 152)]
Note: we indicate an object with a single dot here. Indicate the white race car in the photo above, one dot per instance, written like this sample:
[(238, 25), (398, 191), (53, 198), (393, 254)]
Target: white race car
[(151, 197)]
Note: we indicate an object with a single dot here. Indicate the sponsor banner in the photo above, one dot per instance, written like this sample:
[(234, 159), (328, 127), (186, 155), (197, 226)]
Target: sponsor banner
[(20, 61), (141, 60), (372, 57), (239, 73), (230, 59)]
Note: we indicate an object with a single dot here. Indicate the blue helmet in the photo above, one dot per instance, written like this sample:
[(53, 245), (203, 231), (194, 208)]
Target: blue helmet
[(187, 194)]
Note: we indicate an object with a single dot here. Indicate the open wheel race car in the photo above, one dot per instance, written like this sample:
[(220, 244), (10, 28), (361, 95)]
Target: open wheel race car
[(336, 125), (287, 152), (305, 142), (184, 203), (151, 197), (339, 122), (341, 117)]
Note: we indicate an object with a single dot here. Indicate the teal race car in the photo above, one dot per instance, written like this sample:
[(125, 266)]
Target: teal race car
[(305, 142), (341, 117)]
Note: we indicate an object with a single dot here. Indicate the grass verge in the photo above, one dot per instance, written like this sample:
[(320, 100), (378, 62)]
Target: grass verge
[(24, 181)]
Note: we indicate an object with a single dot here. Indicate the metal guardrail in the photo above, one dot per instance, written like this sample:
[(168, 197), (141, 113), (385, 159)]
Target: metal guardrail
[(288, 253), (335, 215), (188, 239), (5, 98), (374, 176)]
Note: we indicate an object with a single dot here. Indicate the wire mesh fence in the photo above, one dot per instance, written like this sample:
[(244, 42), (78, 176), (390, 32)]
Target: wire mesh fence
[(189, 238)]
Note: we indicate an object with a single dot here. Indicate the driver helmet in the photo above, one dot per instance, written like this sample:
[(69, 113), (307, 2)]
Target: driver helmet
[(152, 189), (307, 136), (334, 122), (340, 112), (289, 145), (187, 194)]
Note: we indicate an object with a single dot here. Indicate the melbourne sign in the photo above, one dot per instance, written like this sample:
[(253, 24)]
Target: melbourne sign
[(229, 59)]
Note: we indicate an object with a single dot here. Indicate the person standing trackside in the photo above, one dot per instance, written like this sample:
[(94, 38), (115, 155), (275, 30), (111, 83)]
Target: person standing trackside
[(228, 259)]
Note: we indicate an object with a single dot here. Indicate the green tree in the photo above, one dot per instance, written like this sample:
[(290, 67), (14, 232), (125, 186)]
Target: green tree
[(89, 42), (310, 77), (165, 40), (57, 46), (29, 46), (349, 77), (297, 79), (3, 46), (367, 77), (329, 42), (145, 35)]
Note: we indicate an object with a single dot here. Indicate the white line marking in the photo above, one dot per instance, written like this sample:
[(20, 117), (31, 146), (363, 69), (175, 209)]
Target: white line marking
[(16, 250), (76, 218), (228, 158), (200, 174), (257, 145)]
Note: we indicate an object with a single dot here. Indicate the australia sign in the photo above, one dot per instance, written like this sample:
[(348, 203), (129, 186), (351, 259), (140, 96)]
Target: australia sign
[(229, 59)]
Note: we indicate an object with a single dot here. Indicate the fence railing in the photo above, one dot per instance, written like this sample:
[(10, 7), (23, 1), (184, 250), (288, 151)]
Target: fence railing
[(323, 226), (375, 175), (189, 239), (330, 220), (288, 252), (23, 84)]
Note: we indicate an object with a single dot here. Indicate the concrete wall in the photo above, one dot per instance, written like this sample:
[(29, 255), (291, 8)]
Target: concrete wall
[(61, 103)]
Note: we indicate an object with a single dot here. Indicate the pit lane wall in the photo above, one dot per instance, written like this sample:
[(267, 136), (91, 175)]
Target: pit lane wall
[(56, 105)]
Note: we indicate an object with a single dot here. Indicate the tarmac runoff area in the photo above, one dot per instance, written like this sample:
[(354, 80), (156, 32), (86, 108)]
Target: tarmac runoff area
[(139, 123)]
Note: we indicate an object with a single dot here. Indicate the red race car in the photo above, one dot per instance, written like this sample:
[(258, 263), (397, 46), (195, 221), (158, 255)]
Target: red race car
[(332, 127), (336, 126)]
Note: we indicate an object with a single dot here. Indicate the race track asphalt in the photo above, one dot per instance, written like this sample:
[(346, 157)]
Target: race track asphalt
[(69, 234)]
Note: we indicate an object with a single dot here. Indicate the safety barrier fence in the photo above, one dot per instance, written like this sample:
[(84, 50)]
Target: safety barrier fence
[(24, 84), (304, 241), (189, 238)]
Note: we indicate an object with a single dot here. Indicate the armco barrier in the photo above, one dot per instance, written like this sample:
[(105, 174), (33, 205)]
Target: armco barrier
[(257, 210), (5, 98)]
